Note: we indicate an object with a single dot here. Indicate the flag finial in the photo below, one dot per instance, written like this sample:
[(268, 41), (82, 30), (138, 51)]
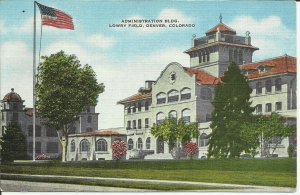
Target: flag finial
[(220, 17)]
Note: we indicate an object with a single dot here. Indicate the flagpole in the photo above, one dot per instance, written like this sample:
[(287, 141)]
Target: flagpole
[(34, 80)]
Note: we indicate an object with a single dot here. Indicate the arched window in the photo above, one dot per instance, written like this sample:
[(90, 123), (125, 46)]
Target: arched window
[(84, 145), (258, 88), (206, 93), (203, 140), (278, 84), (173, 96), (173, 114), (186, 115), (160, 118), (89, 119), (185, 94), (148, 143), (161, 98), (130, 144), (72, 146), (140, 143), (101, 145)]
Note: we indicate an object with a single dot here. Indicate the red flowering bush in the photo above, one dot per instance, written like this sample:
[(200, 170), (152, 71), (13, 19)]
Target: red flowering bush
[(190, 149), (118, 149), (42, 157)]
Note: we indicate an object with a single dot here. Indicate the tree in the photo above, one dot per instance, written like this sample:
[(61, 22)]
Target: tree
[(269, 131), (64, 88), (13, 144), (175, 132), (232, 108)]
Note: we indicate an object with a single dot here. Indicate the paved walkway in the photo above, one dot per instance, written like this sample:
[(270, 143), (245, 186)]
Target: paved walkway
[(28, 186), (71, 179)]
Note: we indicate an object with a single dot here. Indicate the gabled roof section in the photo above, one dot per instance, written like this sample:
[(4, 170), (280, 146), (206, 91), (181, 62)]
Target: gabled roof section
[(279, 65), (135, 97), (203, 77), (222, 28)]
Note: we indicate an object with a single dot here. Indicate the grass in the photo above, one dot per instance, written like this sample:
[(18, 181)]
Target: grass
[(268, 172)]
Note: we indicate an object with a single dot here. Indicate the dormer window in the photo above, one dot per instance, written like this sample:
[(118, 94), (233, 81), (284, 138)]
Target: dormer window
[(261, 69)]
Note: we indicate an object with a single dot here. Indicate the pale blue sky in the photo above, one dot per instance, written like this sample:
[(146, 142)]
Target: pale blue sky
[(124, 58)]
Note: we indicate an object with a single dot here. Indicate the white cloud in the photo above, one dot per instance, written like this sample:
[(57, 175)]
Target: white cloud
[(101, 41), (165, 14), (269, 34), (16, 69), (3, 29), (173, 14)]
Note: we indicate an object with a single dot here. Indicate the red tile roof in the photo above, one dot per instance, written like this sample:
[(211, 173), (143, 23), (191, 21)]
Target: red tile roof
[(28, 111), (98, 133), (12, 97), (203, 77), (135, 97), (220, 43), (279, 65), (222, 27)]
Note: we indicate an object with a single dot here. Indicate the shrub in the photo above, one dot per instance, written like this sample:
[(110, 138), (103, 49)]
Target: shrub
[(118, 149), (190, 149)]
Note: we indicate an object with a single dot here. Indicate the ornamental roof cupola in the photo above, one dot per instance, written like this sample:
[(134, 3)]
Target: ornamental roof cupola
[(219, 47), (12, 97)]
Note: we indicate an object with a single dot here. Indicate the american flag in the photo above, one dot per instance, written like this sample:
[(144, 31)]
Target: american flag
[(56, 18)]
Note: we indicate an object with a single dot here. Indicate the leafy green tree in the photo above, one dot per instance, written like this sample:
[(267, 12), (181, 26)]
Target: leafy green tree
[(175, 132), (232, 107), (64, 88), (13, 144), (268, 130)]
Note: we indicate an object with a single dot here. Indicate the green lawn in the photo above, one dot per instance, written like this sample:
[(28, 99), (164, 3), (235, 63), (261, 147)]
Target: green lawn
[(269, 172)]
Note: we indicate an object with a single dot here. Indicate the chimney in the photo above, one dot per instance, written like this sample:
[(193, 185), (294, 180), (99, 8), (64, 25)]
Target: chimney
[(148, 84)]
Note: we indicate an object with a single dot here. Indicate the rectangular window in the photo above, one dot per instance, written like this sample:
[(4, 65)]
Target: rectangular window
[(146, 105), (140, 106), (52, 147), (268, 107), (139, 123), (128, 125), (134, 108), (278, 84), (258, 109), (129, 110), (200, 59), (50, 132), (37, 131), (146, 122), (268, 86), (258, 88), (134, 124), (278, 106)]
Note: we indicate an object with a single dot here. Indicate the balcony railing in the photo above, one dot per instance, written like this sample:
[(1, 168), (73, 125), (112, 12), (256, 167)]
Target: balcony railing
[(224, 38)]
